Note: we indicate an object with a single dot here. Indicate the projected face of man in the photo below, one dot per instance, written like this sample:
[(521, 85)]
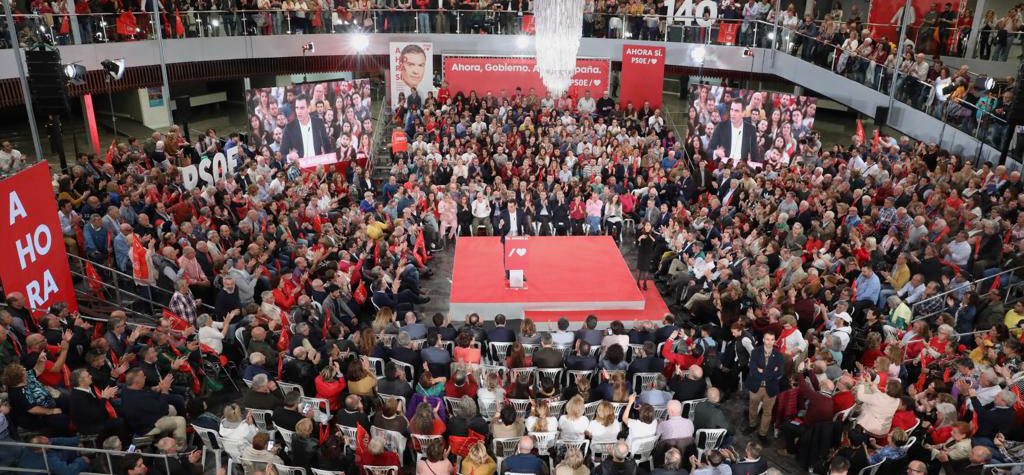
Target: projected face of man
[(413, 67), (735, 114), (302, 110)]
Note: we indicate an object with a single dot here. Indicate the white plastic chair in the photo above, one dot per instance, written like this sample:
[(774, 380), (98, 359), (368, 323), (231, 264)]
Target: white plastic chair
[(690, 406), (393, 441), (522, 406), (555, 408), (387, 397), (572, 375), (380, 469), (545, 440), (317, 471), (488, 408), (287, 436), (321, 408), (619, 407), (643, 381), (660, 413), (529, 348), (211, 442), (454, 405), (250, 467), (289, 470), (420, 442), (262, 418), (708, 439), (554, 374), (486, 370), (410, 370), (590, 409), (496, 352), (642, 449), (516, 373), (248, 382), (502, 448), (289, 387), (376, 364), (872, 469), (349, 432), (601, 450)]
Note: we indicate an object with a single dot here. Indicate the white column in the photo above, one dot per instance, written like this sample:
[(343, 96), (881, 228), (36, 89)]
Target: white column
[(979, 18)]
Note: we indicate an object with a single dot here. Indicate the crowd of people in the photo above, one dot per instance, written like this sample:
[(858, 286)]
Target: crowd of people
[(852, 295)]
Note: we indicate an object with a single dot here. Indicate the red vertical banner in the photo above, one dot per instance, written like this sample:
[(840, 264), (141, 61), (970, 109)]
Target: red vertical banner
[(90, 118), (643, 75), (31, 241), (727, 32)]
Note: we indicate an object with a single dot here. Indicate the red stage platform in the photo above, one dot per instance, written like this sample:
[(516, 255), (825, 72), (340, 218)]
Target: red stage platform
[(565, 276)]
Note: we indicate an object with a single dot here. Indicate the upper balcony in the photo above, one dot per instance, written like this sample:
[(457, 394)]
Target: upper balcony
[(200, 45)]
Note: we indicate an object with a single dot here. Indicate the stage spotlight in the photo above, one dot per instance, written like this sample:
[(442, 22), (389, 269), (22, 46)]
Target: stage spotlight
[(215, 22), (74, 73), (522, 41), (984, 83), (360, 42), (114, 67), (771, 36), (698, 54), (308, 48)]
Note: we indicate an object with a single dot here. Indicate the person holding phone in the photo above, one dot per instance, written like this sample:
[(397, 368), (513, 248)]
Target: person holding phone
[(178, 463)]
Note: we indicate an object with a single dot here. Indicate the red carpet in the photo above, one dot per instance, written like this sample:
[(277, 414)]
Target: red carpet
[(654, 309), (567, 275)]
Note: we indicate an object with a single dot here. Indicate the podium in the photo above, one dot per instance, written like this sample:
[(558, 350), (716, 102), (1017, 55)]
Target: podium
[(516, 257)]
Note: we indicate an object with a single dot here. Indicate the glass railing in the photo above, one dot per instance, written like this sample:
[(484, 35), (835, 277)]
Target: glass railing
[(816, 43), (984, 118)]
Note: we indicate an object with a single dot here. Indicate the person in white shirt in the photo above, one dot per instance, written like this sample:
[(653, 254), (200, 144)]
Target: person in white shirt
[(10, 158), (656, 122), (959, 251), (913, 290), (644, 425), (211, 333), (573, 424), (481, 209), (586, 104), (604, 428)]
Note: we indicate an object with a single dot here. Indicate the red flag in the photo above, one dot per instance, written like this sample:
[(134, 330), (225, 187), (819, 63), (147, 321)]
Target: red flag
[(360, 294), (326, 317), (362, 442), (177, 323), (93, 277), (65, 26), (876, 141), (110, 152), (284, 339), (179, 27), (860, 131)]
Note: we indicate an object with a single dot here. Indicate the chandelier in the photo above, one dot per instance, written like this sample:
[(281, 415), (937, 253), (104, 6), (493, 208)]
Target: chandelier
[(559, 25)]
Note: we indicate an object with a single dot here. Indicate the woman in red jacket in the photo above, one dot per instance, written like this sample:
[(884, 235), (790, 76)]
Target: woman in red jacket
[(330, 384)]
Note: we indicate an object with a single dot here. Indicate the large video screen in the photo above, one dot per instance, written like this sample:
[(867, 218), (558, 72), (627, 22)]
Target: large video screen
[(312, 124), (779, 121)]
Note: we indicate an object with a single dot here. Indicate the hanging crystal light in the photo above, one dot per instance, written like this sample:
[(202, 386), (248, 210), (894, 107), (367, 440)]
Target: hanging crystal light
[(559, 26)]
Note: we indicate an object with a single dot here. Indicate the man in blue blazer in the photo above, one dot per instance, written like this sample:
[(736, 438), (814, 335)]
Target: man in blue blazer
[(763, 380)]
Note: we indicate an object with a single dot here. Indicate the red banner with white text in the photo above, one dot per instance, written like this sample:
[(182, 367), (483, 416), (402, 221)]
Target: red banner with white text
[(504, 75), (643, 75), (31, 241)]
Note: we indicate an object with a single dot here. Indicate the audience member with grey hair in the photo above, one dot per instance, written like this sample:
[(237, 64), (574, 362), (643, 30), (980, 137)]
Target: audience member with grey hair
[(263, 394), (525, 461)]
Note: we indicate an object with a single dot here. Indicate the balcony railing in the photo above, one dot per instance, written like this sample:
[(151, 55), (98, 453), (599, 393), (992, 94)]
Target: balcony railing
[(811, 43)]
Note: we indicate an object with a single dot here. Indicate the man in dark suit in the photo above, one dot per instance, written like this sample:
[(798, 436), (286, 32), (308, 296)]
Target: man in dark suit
[(147, 411), (763, 380), (397, 300), (647, 361), (546, 356), (512, 222), (500, 334), (89, 408), (306, 135), (722, 143), (525, 461)]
